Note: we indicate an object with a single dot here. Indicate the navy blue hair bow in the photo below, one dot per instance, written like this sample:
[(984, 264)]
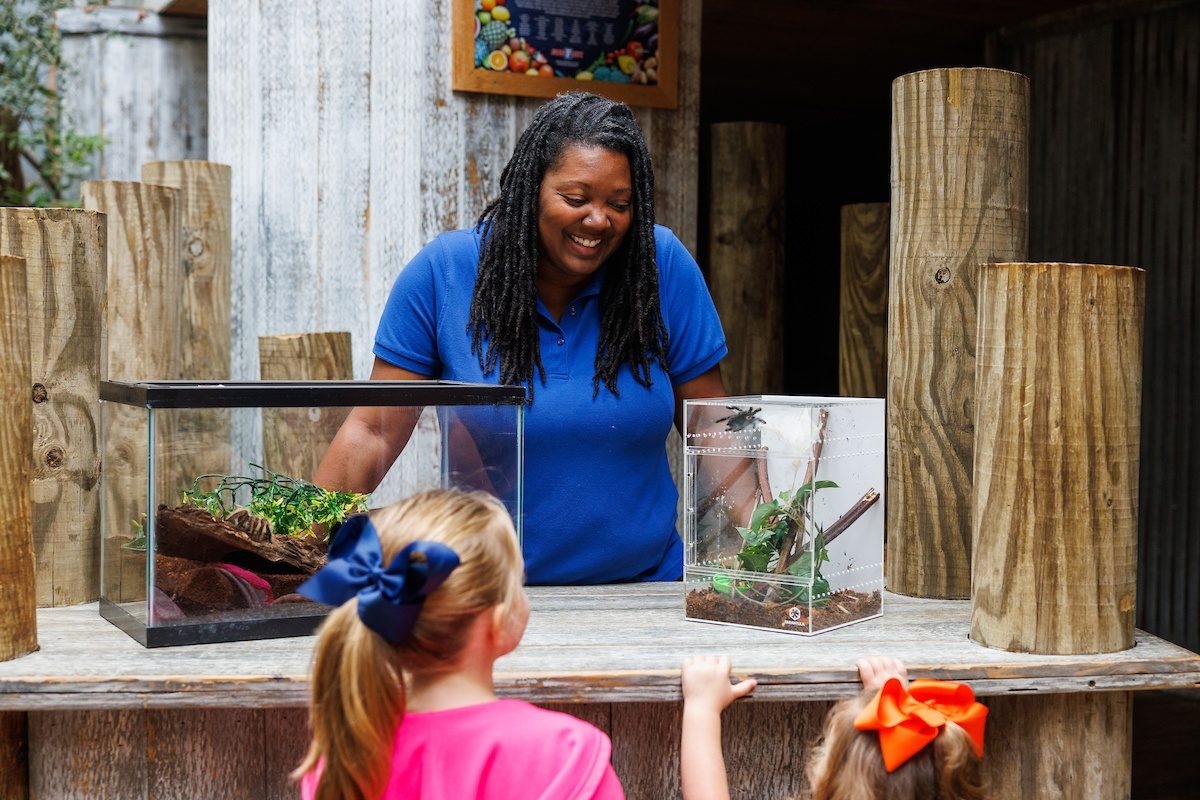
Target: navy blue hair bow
[(389, 598)]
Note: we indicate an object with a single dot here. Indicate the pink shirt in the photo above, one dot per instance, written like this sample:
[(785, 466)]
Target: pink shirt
[(503, 750)]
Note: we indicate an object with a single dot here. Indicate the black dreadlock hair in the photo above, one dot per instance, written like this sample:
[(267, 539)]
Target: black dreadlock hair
[(503, 306)]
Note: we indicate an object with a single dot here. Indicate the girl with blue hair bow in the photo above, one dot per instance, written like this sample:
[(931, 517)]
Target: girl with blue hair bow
[(429, 594)]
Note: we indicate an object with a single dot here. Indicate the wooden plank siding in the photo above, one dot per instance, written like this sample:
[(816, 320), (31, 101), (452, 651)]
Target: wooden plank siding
[(1115, 178)]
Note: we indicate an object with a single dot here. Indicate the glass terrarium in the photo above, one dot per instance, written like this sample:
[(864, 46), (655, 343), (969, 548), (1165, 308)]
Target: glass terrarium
[(784, 511), (210, 519)]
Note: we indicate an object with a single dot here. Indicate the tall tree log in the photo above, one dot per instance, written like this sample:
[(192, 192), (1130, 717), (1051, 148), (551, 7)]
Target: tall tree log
[(862, 332)]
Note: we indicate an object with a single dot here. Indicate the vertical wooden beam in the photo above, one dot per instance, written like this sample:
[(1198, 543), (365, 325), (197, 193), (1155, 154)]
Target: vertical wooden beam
[(746, 252), (64, 251), (862, 332), (1060, 746), (79, 755), (295, 439), (18, 606), (144, 284), (14, 754), (205, 248), (959, 199), (1057, 432)]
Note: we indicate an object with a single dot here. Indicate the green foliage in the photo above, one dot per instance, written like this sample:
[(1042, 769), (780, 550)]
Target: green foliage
[(291, 506), (32, 131), (765, 539)]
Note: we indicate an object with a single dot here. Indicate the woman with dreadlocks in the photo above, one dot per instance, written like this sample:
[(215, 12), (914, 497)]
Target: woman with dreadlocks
[(568, 287)]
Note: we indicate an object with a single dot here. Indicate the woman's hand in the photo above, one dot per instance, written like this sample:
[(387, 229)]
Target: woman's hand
[(875, 671), (706, 683)]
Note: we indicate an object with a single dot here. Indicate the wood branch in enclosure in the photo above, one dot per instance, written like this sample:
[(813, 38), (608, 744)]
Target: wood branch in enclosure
[(64, 251), (18, 606), (795, 531), (144, 284), (746, 251), (959, 199), (1056, 457), (862, 330), (295, 439)]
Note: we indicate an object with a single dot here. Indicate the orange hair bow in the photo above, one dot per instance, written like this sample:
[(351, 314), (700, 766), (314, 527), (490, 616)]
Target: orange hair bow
[(907, 720)]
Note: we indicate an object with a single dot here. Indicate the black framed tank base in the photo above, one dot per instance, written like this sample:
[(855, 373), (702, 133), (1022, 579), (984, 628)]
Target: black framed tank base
[(210, 519)]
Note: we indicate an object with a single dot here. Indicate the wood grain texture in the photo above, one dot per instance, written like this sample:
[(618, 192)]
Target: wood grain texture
[(64, 250), (647, 771), (295, 439), (1065, 747), (87, 755), (216, 752), (285, 740), (746, 251), (862, 329), (14, 754), (1058, 392), (959, 199), (205, 246), (1114, 157), (140, 80), (629, 651), (145, 340), (18, 604)]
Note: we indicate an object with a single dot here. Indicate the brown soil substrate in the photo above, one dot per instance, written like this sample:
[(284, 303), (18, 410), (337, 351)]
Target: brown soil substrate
[(844, 606)]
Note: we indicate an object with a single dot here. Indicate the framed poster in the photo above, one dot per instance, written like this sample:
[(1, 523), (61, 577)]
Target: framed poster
[(624, 49)]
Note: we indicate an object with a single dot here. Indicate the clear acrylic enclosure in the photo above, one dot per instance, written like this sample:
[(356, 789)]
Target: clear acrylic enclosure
[(209, 518), (784, 511)]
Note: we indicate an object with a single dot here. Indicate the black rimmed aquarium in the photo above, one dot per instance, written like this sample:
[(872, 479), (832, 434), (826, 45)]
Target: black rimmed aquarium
[(210, 518)]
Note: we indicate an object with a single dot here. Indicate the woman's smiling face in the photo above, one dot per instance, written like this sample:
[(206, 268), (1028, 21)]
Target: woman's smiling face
[(584, 211)]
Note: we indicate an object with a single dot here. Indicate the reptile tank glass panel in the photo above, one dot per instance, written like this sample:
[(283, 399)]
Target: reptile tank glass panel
[(210, 519), (784, 511)]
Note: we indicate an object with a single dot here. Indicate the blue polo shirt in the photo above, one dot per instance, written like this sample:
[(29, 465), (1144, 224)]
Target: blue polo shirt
[(599, 501)]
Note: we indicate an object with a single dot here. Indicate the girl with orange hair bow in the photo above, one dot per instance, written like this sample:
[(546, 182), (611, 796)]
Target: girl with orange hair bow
[(894, 740)]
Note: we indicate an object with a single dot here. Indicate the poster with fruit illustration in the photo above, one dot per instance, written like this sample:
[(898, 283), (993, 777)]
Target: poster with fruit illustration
[(623, 49)]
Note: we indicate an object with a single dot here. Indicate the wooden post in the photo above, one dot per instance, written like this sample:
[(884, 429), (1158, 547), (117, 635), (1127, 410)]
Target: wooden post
[(143, 331), (746, 252), (862, 338), (295, 439), (206, 246), (959, 199), (14, 754), (18, 607), (64, 251), (1057, 437)]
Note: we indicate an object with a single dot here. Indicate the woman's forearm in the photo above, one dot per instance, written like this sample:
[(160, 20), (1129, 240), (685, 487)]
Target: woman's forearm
[(365, 448)]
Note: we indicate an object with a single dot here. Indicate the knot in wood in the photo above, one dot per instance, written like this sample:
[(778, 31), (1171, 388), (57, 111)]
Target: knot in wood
[(195, 247), (942, 275), (54, 457), (40, 395)]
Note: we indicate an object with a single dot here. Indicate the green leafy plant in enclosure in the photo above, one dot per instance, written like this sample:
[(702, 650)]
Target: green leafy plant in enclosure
[(34, 137), (290, 506), (774, 527)]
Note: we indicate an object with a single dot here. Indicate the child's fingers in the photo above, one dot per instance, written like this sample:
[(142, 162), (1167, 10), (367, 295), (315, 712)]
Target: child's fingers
[(744, 688)]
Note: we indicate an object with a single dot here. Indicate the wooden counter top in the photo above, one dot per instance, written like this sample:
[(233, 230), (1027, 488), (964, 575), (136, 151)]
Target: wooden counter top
[(584, 644)]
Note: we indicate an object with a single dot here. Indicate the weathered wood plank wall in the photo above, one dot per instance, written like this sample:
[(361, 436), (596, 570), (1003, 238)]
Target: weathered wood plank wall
[(139, 79), (1115, 178)]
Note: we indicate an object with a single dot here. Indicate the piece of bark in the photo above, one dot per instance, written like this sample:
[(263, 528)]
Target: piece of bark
[(193, 533)]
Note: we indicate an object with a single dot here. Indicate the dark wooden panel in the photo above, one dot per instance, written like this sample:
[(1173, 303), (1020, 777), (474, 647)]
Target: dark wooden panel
[(1115, 178)]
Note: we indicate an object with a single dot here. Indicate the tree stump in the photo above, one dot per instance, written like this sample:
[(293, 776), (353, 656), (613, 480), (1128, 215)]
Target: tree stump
[(1056, 457), (18, 608), (64, 252), (295, 439), (959, 199), (144, 284), (862, 332), (746, 252)]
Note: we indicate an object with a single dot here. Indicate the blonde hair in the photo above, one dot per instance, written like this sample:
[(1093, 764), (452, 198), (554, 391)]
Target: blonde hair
[(848, 764), (358, 692)]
